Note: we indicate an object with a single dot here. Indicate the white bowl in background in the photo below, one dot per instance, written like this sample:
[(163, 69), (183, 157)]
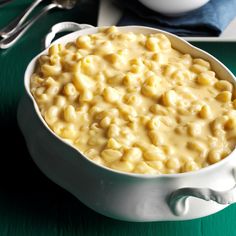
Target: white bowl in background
[(173, 7)]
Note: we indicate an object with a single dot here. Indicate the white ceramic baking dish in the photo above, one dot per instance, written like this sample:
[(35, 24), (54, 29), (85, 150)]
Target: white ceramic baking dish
[(124, 196)]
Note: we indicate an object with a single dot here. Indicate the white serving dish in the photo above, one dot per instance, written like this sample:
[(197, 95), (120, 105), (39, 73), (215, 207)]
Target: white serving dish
[(124, 196)]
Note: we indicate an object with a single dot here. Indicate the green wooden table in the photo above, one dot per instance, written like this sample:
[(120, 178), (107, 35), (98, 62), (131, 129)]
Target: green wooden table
[(30, 204)]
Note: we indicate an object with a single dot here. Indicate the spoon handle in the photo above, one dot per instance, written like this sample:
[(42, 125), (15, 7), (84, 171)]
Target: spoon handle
[(14, 25), (13, 38), (5, 2)]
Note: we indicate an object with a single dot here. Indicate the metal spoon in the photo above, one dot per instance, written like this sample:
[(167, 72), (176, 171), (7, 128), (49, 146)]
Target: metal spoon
[(13, 25), (13, 38)]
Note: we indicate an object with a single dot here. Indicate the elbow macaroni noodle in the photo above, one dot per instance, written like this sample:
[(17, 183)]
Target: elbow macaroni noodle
[(132, 103)]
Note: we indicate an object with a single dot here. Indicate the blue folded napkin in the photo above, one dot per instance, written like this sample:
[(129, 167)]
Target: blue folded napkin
[(209, 20)]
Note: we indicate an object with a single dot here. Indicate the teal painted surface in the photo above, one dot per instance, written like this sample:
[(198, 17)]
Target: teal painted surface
[(30, 204)]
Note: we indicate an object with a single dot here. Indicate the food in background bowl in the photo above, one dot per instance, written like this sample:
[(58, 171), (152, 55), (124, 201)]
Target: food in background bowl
[(131, 102)]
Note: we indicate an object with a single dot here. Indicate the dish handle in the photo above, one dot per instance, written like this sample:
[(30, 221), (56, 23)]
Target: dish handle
[(178, 199), (63, 27)]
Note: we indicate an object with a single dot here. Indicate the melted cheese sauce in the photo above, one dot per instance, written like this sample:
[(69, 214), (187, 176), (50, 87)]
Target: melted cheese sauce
[(133, 103)]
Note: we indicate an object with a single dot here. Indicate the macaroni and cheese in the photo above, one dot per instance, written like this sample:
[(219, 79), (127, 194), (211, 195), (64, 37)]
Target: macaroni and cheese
[(133, 103)]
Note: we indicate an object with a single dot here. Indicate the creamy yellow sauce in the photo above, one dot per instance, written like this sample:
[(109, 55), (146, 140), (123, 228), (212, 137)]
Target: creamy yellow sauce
[(133, 103)]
